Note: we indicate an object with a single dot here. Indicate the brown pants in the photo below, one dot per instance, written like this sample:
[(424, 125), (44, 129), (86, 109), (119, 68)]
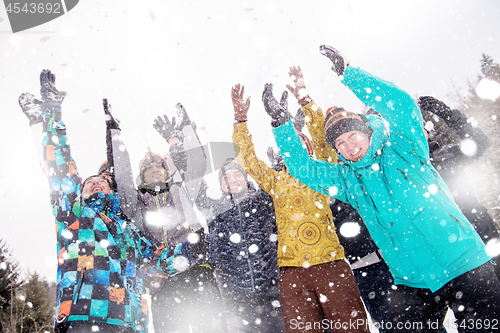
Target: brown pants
[(329, 290)]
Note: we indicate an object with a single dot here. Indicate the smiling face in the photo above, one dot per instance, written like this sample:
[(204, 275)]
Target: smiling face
[(353, 145), (95, 184), (233, 181), (155, 173)]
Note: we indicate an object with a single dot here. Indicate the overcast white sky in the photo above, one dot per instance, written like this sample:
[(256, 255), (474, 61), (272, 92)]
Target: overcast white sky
[(147, 56)]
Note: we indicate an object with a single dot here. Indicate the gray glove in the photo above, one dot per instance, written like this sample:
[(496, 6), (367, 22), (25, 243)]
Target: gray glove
[(31, 108), (164, 127), (278, 111), (433, 105)]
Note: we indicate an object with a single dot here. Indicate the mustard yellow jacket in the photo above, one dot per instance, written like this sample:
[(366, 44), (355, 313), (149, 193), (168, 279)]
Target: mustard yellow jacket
[(306, 233)]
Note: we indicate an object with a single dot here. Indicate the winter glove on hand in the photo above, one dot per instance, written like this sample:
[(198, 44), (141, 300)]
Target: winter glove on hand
[(111, 122), (300, 90), (339, 61), (179, 156), (278, 111), (164, 127), (51, 97), (183, 119), (443, 111), (299, 120), (31, 108), (240, 107), (275, 159)]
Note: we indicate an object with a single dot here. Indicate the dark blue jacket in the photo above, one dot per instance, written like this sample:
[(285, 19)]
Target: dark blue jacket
[(245, 236)]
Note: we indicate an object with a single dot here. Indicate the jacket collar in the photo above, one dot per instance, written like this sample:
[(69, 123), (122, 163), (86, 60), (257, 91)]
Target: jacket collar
[(155, 188), (107, 203)]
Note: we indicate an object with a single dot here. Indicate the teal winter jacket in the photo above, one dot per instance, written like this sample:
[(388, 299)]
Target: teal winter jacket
[(408, 209)]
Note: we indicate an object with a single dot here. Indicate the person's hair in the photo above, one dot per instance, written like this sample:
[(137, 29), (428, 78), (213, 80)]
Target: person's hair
[(100, 176)]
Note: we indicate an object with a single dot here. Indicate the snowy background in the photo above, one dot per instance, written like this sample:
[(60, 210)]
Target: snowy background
[(147, 56)]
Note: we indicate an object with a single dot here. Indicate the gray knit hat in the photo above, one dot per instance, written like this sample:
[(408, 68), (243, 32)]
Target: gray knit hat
[(231, 163)]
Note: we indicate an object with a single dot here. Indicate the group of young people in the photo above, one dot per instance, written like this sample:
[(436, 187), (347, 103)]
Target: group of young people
[(273, 258)]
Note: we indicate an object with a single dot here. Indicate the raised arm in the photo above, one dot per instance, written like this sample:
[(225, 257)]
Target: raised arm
[(313, 116), (319, 175), (394, 104), (247, 158), (120, 168), (64, 180), (459, 123)]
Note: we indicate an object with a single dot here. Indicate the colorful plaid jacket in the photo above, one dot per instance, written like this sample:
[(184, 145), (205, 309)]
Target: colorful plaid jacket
[(101, 256)]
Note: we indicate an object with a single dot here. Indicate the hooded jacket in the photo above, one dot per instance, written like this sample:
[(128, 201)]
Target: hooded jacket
[(101, 255), (244, 234), (306, 233), (409, 211)]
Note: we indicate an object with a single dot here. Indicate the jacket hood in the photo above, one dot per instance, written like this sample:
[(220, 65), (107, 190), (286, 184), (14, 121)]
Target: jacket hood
[(378, 139)]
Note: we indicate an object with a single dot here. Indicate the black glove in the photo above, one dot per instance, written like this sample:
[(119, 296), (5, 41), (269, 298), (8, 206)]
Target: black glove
[(31, 108), (202, 247), (51, 97), (164, 127), (275, 158), (179, 156), (340, 62), (111, 122), (278, 111), (433, 105), (183, 119)]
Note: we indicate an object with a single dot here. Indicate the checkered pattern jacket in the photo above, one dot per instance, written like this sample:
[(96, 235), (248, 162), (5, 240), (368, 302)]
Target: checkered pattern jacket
[(101, 256)]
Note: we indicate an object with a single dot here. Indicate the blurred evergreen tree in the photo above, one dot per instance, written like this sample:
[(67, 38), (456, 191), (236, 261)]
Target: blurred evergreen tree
[(25, 306)]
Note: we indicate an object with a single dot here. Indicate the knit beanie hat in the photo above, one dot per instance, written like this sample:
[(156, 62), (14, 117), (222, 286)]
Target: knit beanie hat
[(339, 121), (104, 166), (231, 163), (148, 159)]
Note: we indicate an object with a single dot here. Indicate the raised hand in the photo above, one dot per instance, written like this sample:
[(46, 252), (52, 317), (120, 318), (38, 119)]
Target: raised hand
[(164, 127), (111, 122), (339, 61), (48, 89), (183, 118), (278, 111), (31, 108), (300, 90), (240, 107), (431, 104)]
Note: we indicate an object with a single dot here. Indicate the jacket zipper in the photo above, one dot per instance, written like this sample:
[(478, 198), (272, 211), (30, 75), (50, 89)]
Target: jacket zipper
[(79, 286), (246, 253), (158, 207)]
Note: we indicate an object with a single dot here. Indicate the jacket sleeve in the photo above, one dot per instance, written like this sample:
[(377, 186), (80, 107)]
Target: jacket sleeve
[(257, 169), (394, 104), (318, 175), (61, 170), (459, 124), (196, 165), (315, 120), (129, 201)]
